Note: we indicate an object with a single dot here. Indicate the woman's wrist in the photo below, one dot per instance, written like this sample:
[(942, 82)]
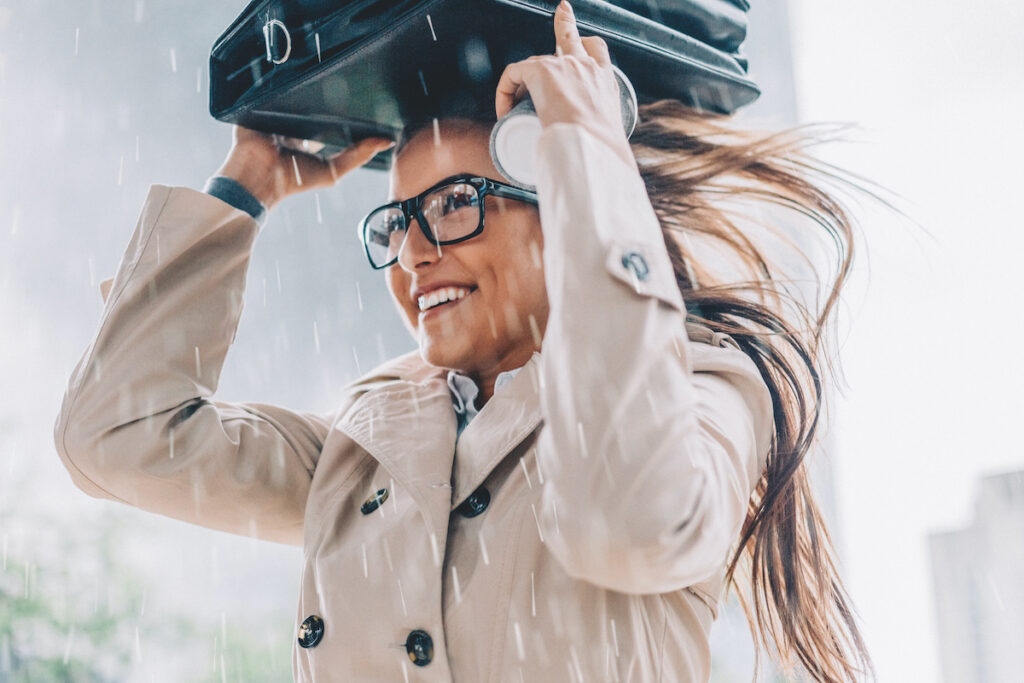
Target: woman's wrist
[(232, 192), (256, 180)]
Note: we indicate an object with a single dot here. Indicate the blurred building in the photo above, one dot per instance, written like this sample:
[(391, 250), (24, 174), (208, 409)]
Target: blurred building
[(978, 579)]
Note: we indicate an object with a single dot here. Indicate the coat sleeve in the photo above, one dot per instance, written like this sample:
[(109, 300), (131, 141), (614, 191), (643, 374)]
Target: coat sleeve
[(137, 423), (652, 443)]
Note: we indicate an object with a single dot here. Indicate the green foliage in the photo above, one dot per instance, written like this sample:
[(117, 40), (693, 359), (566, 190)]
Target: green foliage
[(72, 610)]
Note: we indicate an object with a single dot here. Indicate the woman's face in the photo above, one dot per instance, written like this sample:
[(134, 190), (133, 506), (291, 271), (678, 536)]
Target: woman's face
[(501, 322)]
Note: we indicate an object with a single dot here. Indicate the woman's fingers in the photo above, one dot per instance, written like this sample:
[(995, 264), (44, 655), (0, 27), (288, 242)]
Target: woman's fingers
[(567, 37), (308, 172), (598, 49), (356, 155), (509, 86)]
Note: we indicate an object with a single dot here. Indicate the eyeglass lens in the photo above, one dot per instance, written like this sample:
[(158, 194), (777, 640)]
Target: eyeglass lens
[(452, 212)]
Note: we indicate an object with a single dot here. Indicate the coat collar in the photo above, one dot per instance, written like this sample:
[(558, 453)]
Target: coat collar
[(505, 420), (405, 419)]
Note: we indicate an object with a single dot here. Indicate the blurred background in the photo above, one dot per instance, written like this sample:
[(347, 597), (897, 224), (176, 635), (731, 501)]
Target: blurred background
[(919, 467)]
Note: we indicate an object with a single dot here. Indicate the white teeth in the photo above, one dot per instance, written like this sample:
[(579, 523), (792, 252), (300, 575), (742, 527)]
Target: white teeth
[(440, 296)]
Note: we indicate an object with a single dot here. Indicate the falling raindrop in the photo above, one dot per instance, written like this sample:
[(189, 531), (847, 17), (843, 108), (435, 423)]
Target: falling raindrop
[(582, 441), (576, 668), (174, 61), (316, 337), (520, 650), (316, 37), (455, 583), (423, 82), (434, 550), (401, 596), (554, 513), (120, 171), (138, 11), (319, 213), (295, 165), (431, 24), (537, 520), (77, 31), (67, 645), (359, 296), (437, 134), (526, 474), (533, 597)]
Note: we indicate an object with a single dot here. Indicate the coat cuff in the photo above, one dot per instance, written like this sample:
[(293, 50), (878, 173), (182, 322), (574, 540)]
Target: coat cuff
[(234, 193)]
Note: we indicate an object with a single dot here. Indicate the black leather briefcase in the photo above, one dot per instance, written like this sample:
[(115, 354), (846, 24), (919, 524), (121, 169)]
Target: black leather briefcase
[(336, 71)]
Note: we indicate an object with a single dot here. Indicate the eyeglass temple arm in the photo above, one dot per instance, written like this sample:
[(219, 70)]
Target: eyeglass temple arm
[(514, 193)]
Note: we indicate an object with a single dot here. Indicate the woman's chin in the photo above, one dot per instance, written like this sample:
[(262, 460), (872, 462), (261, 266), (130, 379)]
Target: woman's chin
[(442, 354)]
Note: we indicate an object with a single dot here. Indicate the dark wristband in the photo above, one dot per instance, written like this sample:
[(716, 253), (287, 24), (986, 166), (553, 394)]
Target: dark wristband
[(231, 191)]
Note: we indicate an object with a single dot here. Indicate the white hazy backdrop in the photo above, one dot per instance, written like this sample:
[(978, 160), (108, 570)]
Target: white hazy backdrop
[(100, 100), (933, 320)]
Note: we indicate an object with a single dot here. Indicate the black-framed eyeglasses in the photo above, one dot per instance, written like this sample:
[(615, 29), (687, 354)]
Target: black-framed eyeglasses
[(449, 212)]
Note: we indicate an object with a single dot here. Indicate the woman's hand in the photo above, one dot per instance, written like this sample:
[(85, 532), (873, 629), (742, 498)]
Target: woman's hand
[(270, 173), (576, 85)]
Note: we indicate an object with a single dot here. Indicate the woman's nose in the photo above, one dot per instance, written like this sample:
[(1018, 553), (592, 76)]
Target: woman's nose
[(416, 249)]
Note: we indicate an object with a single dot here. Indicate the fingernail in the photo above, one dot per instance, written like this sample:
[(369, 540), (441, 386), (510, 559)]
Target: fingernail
[(566, 7)]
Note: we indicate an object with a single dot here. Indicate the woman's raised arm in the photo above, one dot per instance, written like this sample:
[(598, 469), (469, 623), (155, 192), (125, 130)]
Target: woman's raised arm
[(652, 444), (138, 423)]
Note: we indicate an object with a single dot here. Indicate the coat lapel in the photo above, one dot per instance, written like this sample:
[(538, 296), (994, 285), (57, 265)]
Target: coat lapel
[(505, 420), (405, 420)]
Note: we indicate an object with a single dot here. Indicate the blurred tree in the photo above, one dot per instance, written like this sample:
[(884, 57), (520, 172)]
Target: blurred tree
[(72, 609)]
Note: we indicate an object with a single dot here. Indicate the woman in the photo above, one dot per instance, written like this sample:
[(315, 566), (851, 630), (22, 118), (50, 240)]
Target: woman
[(560, 482)]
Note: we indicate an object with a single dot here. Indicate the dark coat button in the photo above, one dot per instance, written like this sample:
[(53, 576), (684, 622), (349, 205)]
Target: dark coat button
[(374, 501), (635, 262), (420, 647), (311, 631), (476, 503)]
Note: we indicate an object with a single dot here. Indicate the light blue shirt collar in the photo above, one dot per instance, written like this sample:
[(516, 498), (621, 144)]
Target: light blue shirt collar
[(464, 392)]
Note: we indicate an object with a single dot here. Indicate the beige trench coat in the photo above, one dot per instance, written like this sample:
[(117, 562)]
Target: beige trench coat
[(605, 483)]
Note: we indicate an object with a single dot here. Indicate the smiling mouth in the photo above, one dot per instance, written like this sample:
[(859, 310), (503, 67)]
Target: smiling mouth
[(445, 296), (446, 304)]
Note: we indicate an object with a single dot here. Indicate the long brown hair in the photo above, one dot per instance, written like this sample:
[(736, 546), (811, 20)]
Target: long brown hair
[(697, 168), (696, 165)]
